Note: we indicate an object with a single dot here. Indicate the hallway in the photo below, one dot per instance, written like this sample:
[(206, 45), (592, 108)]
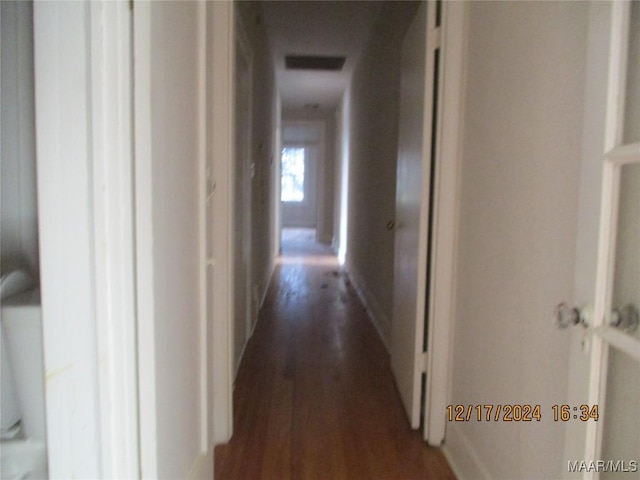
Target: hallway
[(314, 397)]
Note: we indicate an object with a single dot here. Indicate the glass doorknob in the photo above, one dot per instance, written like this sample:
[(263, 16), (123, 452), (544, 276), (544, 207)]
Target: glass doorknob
[(566, 316), (626, 318)]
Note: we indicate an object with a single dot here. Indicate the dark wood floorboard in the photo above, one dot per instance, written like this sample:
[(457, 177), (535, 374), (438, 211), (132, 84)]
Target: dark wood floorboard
[(315, 397)]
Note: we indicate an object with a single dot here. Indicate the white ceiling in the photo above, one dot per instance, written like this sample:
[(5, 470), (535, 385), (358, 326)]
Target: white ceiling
[(328, 28)]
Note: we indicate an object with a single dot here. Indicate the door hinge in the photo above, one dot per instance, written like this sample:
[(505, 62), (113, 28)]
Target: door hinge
[(424, 361), (131, 5), (434, 38)]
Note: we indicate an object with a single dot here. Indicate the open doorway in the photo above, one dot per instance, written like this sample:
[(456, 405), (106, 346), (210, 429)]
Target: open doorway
[(307, 164), (22, 412)]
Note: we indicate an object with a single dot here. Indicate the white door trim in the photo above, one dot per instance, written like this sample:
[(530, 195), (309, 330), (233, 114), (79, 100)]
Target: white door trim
[(144, 240), (113, 214), (604, 156), (222, 141), (85, 188), (615, 155), (205, 187), (445, 221)]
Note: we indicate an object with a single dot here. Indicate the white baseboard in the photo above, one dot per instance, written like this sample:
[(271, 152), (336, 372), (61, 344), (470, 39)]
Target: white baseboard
[(203, 468), (462, 457), (379, 320), (262, 296)]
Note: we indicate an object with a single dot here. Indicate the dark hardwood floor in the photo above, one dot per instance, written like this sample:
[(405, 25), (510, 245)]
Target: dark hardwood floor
[(315, 397)]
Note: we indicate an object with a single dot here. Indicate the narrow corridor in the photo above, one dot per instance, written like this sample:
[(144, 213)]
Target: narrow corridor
[(315, 397)]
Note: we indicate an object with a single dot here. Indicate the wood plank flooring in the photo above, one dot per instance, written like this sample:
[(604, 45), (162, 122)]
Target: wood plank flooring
[(315, 397)]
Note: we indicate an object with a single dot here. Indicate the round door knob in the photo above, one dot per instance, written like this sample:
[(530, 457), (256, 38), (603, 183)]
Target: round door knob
[(626, 318), (566, 316), (391, 225)]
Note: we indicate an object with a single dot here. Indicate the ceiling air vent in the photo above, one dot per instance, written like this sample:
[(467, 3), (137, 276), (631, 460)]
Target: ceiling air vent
[(313, 62)]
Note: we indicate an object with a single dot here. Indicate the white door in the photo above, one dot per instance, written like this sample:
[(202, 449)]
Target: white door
[(606, 393), (412, 217), (432, 83)]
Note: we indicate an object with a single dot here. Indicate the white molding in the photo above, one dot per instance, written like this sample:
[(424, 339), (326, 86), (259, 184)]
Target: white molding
[(205, 346), (616, 81), (379, 320), (73, 121), (144, 241), (445, 220), (113, 213), (462, 456), (203, 466), (221, 134), (605, 336)]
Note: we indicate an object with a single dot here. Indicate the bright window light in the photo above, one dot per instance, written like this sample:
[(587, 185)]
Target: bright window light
[(292, 175)]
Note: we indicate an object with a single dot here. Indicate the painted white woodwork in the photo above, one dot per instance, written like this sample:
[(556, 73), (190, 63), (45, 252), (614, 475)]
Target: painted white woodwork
[(412, 197), (114, 249), (446, 196), (68, 302), (222, 146), (18, 205), (598, 362), (85, 192), (204, 468), (142, 41), (168, 42)]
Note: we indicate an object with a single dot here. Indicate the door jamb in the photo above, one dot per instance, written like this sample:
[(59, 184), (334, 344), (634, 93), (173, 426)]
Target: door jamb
[(222, 141), (453, 34)]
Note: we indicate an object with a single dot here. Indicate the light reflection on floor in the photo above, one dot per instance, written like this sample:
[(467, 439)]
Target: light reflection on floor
[(299, 245), (308, 260)]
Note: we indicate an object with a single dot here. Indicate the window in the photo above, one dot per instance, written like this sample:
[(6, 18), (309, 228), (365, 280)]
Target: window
[(292, 175)]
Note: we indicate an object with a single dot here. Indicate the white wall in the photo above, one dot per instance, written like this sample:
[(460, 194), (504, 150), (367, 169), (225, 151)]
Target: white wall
[(519, 194), (373, 147), (19, 220), (265, 120), (263, 127)]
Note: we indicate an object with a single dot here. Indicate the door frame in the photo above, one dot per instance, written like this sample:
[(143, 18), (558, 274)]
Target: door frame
[(86, 151), (436, 226), (451, 37), (321, 127), (603, 155), (222, 132)]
